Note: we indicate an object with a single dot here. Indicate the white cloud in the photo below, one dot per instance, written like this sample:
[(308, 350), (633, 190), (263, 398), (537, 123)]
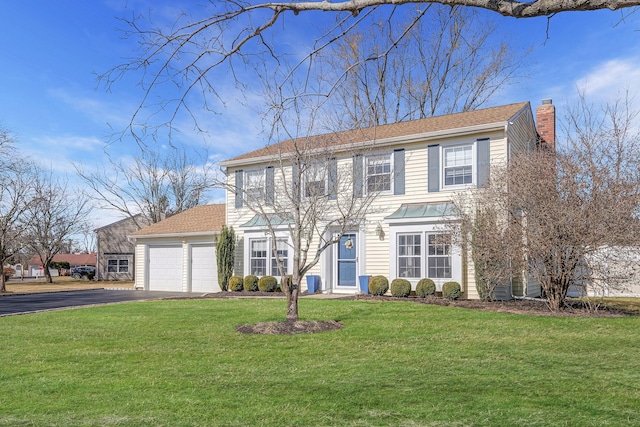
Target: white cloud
[(98, 111), (610, 79)]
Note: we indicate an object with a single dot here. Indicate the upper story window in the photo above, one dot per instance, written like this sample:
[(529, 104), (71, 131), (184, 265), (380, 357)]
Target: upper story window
[(315, 180), (254, 184), (378, 171), (458, 165)]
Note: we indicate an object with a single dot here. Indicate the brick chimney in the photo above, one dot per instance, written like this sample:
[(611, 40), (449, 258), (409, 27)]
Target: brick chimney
[(546, 124)]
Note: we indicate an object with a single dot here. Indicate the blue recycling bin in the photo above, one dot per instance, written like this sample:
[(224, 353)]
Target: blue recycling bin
[(364, 284), (313, 283)]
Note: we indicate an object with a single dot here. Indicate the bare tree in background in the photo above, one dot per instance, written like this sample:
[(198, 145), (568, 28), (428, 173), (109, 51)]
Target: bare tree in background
[(15, 194), (572, 214), (155, 183), (203, 53), (53, 218), (448, 60)]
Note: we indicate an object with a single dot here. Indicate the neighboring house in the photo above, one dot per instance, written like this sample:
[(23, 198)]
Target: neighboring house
[(179, 253), (422, 163), (74, 260), (116, 253)]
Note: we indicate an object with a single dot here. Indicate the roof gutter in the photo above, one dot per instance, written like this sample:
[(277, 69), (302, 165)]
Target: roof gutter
[(398, 140), (164, 235)]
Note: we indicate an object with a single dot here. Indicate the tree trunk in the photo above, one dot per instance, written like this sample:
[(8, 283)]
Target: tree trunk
[(3, 284), (292, 291), (47, 273)]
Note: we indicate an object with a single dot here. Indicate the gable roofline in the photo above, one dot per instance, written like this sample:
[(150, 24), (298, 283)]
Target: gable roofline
[(488, 119), (120, 221), (197, 221)]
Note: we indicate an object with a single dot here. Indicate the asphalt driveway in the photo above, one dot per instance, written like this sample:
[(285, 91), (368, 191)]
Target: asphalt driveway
[(30, 303)]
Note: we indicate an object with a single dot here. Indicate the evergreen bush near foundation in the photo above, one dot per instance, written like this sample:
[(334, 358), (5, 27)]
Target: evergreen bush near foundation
[(400, 288), (451, 290), (251, 283), (378, 285), (236, 284), (425, 288), (267, 284)]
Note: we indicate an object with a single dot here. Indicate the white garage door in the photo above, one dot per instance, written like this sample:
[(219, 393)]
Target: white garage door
[(204, 271), (165, 268)]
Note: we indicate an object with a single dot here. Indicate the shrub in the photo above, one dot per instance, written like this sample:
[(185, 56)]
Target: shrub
[(400, 288), (225, 250), (378, 285), (451, 290), (236, 283), (425, 287), (8, 272), (267, 284), (251, 283)]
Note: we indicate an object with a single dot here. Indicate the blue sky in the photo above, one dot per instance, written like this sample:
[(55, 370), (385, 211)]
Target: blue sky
[(52, 51)]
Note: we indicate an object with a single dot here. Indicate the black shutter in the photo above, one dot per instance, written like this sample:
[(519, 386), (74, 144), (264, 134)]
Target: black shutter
[(238, 189), (398, 171), (433, 164), (269, 197), (483, 162)]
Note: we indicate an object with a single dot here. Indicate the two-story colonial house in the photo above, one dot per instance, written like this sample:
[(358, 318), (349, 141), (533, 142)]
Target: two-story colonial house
[(414, 167)]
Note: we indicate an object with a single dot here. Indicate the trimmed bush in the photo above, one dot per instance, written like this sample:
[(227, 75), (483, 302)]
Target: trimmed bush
[(251, 283), (378, 285), (267, 284), (425, 287), (451, 290), (400, 288), (236, 284)]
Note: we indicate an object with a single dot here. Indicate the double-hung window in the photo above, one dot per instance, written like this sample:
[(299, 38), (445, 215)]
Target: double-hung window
[(439, 256), (315, 180), (432, 250), (283, 254), (117, 266), (409, 255), (258, 257), (378, 168), (262, 260), (254, 184), (458, 165)]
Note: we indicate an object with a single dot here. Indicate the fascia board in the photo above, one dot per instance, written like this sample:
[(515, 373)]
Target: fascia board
[(168, 235)]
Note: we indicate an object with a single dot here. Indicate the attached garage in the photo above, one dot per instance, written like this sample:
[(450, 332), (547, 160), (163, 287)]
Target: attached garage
[(165, 268), (204, 272), (179, 253)]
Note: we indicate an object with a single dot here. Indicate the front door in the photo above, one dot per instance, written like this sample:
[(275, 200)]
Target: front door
[(347, 262)]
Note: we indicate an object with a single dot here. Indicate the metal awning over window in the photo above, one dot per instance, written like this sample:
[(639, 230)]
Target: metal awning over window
[(261, 221), (423, 210)]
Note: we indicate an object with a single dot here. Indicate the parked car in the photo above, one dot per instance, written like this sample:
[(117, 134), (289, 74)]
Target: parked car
[(83, 272)]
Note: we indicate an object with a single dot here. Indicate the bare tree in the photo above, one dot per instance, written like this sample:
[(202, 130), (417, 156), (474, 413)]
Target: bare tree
[(15, 193), (571, 214), (156, 184), (53, 218), (311, 195), (449, 60)]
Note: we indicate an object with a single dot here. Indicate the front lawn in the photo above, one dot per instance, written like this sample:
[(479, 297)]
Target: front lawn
[(181, 363)]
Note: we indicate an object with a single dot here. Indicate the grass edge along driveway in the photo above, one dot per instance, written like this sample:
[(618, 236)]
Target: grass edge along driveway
[(181, 363)]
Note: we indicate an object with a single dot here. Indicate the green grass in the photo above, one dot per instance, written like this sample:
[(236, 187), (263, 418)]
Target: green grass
[(181, 363), (627, 304)]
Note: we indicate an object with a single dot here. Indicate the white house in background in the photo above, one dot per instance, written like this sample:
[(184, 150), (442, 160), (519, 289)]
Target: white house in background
[(422, 163), (179, 253)]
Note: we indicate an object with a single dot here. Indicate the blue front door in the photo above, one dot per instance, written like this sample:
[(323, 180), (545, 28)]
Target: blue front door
[(347, 261)]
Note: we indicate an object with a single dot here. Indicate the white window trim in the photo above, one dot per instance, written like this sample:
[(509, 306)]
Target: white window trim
[(305, 179), (260, 188), (424, 229), (474, 166), (262, 235), (365, 184)]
